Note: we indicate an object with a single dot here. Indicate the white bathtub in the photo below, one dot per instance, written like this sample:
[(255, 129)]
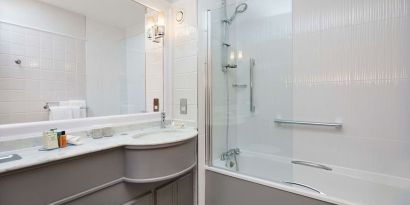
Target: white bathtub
[(339, 186)]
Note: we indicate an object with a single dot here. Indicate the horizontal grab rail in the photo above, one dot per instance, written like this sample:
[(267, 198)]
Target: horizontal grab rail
[(239, 85), (304, 186), (323, 124), (312, 164)]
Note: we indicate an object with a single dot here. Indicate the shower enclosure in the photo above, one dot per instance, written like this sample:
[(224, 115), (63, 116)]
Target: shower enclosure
[(312, 95)]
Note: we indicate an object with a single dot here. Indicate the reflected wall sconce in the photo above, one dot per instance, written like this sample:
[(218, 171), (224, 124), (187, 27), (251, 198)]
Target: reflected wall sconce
[(156, 28)]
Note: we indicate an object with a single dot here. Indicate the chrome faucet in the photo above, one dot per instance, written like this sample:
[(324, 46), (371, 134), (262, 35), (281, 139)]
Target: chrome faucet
[(230, 158), (228, 154), (163, 115)]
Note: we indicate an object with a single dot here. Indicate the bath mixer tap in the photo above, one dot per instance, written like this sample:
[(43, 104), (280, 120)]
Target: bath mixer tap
[(230, 153), (230, 158)]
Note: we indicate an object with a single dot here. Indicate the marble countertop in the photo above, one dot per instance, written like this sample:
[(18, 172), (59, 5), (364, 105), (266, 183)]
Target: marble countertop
[(142, 138)]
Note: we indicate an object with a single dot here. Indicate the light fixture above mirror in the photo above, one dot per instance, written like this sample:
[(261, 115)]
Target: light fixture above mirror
[(156, 27)]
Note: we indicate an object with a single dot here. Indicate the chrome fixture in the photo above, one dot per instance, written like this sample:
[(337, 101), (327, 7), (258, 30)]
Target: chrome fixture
[(312, 164), (239, 85), (230, 158), (163, 116), (321, 124), (230, 66), (303, 186), (230, 153), (239, 9), (251, 68), (47, 106)]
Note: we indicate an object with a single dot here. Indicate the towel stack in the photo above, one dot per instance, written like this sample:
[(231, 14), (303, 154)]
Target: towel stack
[(71, 109)]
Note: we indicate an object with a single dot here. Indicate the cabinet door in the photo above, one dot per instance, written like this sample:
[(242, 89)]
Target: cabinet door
[(145, 200), (179, 192), (165, 195), (185, 190)]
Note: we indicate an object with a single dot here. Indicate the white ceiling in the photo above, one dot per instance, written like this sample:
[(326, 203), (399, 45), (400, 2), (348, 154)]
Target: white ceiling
[(119, 13)]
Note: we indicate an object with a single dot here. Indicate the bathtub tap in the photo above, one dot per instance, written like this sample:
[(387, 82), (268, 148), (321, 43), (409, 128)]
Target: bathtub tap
[(230, 158)]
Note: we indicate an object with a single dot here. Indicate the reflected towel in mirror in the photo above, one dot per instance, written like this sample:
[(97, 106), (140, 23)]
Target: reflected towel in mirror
[(60, 113)]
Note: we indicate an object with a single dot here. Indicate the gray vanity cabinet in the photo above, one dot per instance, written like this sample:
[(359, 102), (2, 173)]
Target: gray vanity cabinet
[(179, 192), (126, 175), (144, 200), (165, 195)]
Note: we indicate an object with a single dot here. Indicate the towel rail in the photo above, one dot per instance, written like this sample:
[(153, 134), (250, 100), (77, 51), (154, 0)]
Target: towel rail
[(47, 106)]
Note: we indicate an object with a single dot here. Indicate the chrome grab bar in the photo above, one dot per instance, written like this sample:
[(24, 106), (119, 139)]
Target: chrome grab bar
[(322, 124), (239, 85), (304, 186), (312, 164), (251, 68)]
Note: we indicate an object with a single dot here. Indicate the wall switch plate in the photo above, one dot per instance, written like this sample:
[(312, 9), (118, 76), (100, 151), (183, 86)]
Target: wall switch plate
[(183, 106)]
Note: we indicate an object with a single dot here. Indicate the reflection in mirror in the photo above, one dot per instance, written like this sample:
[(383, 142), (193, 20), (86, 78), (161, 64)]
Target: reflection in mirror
[(68, 59)]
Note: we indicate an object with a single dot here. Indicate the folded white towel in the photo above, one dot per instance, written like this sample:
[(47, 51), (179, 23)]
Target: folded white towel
[(60, 113), (74, 140), (79, 103), (63, 103), (76, 112), (82, 105)]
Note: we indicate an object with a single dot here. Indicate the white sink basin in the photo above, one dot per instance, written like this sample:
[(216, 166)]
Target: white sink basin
[(160, 133)]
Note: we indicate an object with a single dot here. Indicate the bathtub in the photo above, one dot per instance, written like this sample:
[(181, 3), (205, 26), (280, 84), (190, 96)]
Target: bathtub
[(339, 186)]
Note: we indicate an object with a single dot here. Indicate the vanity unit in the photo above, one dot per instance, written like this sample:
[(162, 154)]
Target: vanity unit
[(149, 167)]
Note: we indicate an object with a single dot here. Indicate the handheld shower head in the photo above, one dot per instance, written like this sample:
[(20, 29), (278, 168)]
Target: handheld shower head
[(239, 9)]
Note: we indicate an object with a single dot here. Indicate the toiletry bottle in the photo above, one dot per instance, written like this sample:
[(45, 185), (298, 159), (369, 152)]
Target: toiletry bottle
[(58, 137), (50, 140), (156, 105), (63, 140)]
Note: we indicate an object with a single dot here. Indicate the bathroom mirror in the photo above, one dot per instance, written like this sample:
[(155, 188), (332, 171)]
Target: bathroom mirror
[(69, 59)]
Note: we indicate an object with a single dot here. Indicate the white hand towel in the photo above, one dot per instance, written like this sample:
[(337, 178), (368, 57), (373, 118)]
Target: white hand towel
[(76, 111), (60, 113), (63, 103), (79, 103), (83, 107)]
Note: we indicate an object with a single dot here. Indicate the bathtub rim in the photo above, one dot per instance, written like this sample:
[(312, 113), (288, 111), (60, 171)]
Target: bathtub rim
[(279, 186)]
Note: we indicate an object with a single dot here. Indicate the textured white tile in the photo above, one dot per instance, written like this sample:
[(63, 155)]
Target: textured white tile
[(4, 60), (191, 113), (189, 94), (187, 49), (17, 37), (12, 95), (17, 49), (4, 35), (33, 39), (4, 48), (185, 81), (185, 65)]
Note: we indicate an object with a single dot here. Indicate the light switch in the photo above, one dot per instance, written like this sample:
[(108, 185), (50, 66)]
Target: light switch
[(183, 106)]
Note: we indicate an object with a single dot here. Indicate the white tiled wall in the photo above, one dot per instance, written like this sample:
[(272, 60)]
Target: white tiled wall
[(154, 59), (52, 69), (351, 65), (340, 61), (184, 60)]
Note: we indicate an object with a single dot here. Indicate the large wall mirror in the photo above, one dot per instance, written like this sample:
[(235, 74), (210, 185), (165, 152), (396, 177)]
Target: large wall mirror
[(69, 59)]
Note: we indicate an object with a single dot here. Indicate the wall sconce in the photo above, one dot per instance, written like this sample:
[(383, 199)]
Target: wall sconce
[(156, 29)]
